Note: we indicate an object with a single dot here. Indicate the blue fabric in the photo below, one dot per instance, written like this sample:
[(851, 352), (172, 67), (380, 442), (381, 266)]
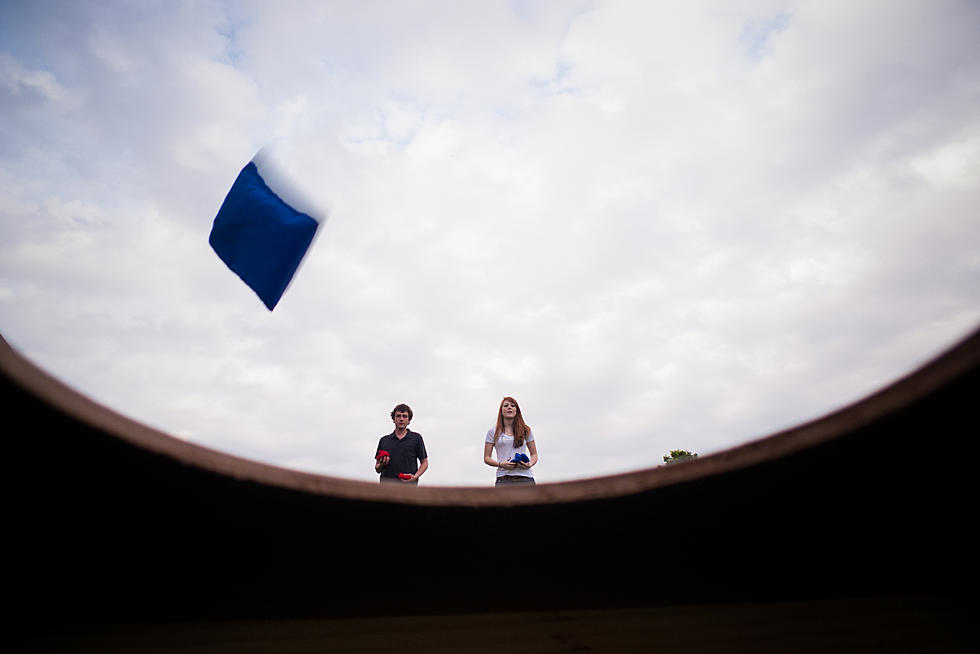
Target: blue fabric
[(520, 457), (260, 237)]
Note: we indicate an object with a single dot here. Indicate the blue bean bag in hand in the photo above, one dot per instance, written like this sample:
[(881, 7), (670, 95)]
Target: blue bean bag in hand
[(520, 458)]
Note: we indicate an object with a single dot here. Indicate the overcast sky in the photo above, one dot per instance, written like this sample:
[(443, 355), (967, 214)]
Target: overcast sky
[(657, 225)]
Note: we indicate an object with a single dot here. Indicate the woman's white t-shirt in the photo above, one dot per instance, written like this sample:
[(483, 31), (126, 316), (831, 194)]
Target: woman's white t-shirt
[(506, 451)]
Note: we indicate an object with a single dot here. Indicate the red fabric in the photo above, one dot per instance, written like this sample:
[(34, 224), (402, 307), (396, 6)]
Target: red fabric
[(381, 453), (402, 475)]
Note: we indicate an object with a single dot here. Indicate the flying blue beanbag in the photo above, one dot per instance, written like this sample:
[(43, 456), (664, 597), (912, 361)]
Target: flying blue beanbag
[(520, 458), (261, 237)]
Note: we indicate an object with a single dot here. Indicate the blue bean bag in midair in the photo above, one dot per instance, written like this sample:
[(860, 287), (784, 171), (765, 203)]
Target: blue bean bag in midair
[(258, 234)]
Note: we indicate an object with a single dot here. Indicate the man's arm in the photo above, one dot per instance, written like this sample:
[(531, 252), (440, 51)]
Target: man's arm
[(379, 464), (422, 468)]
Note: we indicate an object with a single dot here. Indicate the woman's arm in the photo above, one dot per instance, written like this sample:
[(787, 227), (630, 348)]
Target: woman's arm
[(489, 460), (533, 449)]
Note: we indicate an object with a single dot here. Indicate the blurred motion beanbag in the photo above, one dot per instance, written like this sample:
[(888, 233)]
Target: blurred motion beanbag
[(261, 237)]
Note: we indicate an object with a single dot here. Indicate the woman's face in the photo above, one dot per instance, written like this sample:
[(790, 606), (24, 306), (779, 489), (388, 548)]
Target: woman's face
[(508, 409)]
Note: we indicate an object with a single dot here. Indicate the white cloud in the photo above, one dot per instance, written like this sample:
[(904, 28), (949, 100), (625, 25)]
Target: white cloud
[(16, 79), (658, 225)]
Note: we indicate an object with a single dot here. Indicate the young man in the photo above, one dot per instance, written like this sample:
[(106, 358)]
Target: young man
[(406, 451)]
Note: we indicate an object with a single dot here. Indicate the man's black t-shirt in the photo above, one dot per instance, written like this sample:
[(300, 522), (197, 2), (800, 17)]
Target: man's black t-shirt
[(405, 454)]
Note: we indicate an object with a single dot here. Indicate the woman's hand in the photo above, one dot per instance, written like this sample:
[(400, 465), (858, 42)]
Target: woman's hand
[(507, 465)]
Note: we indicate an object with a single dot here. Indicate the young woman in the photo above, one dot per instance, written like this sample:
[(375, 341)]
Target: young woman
[(511, 438)]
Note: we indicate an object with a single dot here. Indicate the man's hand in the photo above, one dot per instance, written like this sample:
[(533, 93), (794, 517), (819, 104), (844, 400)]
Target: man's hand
[(382, 462), (405, 477)]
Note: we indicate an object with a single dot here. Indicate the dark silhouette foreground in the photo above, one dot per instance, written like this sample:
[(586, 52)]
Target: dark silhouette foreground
[(840, 533)]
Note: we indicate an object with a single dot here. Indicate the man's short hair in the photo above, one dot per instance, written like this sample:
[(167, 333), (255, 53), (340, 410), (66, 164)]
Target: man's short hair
[(402, 407)]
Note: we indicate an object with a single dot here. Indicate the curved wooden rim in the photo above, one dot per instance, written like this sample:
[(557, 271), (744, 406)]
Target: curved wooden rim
[(957, 360)]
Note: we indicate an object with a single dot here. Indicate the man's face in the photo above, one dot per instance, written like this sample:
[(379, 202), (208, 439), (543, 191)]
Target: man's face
[(401, 419)]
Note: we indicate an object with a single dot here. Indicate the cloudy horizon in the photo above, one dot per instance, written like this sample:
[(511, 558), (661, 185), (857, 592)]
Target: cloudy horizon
[(657, 225)]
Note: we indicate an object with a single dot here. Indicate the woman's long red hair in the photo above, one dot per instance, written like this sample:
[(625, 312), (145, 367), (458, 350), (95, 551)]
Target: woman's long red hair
[(521, 430)]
